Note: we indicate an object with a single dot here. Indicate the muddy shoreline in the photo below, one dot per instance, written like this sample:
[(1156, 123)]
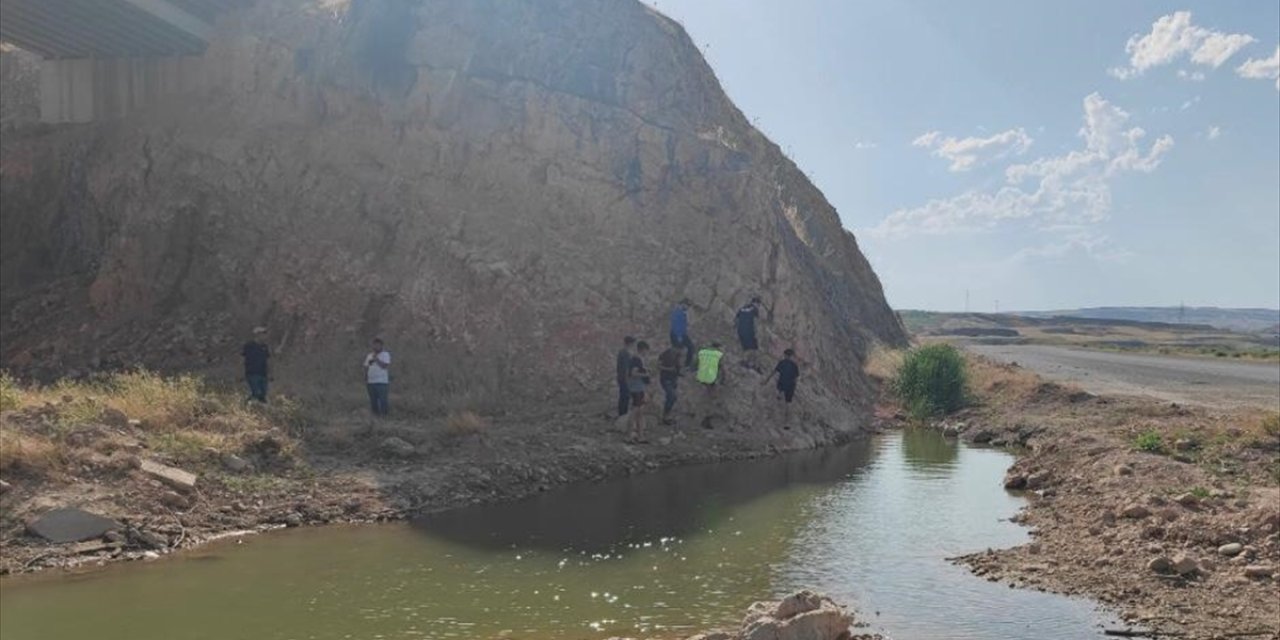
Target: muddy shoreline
[(358, 472)]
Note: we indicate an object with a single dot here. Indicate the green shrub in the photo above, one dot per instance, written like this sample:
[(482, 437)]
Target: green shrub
[(9, 398), (932, 380), (1149, 441)]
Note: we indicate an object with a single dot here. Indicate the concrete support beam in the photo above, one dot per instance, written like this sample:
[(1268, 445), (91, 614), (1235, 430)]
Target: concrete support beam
[(175, 17), (86, 90)]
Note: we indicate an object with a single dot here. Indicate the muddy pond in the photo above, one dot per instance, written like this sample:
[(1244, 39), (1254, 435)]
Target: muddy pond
[(660, 555)]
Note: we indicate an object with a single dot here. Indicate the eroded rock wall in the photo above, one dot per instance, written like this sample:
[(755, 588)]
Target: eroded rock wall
[(499, 189)]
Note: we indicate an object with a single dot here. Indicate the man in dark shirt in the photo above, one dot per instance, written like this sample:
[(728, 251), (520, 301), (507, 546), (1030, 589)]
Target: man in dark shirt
[(256, 353), (669, 377), (624, 368), (788, 373), (745, 321)]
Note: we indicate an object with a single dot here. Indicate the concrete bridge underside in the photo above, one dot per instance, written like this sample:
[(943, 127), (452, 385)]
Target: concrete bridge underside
[(104, 58)]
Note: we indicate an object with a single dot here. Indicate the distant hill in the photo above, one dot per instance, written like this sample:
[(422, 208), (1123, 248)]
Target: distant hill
[(1246, 320)]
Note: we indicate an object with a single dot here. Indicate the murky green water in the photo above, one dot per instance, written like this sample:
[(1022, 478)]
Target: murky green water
[(662, 555)]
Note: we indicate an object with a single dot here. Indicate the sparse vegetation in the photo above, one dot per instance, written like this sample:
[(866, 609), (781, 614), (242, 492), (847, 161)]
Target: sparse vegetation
[(180, 419), (465, 423), (932, 380), (1149, 441)]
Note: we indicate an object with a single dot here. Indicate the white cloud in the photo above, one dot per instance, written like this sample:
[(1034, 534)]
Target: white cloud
[(1193, 76), (964, 153), (1072, 190), (1213, 133), (1190, 103), (1173, 37), (1097, 246), (863, 144), (1262, 68)]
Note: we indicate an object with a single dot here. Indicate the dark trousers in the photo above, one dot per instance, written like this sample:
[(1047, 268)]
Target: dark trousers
[(378, 394), (686, 342), (668, 394), (624, 398), (257, 386)]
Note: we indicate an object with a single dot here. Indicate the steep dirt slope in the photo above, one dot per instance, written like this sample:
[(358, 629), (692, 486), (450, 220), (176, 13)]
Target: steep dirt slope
[(499, 189)]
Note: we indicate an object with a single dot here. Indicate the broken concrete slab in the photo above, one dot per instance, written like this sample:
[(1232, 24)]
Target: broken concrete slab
[(172, 476), (70, 525)]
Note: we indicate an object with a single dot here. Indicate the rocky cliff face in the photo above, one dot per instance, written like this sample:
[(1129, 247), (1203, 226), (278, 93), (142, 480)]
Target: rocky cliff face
[(501, 190)]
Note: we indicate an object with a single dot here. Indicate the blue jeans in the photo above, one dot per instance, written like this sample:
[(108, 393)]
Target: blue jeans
[(668, 394), (624, 398), (378, 403), (686, 342), (257, 386)]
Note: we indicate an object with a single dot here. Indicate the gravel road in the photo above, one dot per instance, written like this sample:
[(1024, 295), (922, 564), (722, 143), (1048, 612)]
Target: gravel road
[(1221, 383)]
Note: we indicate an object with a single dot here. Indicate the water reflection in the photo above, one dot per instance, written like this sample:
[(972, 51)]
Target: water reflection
[(672, 503), (655, 556), (926, 448)]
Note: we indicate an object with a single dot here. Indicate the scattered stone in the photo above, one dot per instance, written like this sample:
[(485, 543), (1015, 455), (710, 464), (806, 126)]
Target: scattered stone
[(1184, 565), (293, 520), (70, 525), (1135, 511), (1187, 500), (1037, 479), (1123, 470), (175, 501), (172, 476), (235, 464), (1230, 549), (1259, 571), (89, 546), (1015, 481), (113, 417), (113, 536), (4, 487), (397, 447), (713, 635), (149, 539), (1183, 444), (1160, 564)]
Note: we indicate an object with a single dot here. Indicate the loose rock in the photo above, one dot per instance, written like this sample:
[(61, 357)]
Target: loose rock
[(1259, 571), (172, 476), (397, 447), (1231, 549), (70, 525)]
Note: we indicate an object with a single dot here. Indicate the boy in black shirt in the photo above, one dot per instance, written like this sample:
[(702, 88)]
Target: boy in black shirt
[(788, 373), (255, 354)]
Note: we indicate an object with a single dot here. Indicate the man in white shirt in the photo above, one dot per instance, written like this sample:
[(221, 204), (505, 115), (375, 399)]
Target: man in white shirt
[(377, 367)]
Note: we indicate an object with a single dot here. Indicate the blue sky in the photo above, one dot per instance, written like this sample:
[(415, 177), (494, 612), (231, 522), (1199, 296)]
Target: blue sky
[(1042, 155)]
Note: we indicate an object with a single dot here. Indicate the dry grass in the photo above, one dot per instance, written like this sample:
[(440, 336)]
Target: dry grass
[(993, 382), (465, 423), (23, 454), (179, 418), (883, 363)]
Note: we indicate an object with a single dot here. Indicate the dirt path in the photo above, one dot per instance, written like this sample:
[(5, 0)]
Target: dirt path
[(1205, 382)]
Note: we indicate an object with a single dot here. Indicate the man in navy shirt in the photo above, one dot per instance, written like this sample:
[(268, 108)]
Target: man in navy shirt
[(788, 373), (256, 353), (745, 321)]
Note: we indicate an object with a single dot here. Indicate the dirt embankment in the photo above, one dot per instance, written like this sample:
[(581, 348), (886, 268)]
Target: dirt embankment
[(1170, 514)]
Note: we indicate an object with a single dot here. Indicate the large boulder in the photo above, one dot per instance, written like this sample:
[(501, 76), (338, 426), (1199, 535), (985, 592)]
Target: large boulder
[(70, 525), (804, 615)]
